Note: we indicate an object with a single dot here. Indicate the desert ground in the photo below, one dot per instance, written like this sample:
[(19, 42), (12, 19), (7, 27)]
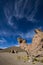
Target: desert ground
[(16, 59)]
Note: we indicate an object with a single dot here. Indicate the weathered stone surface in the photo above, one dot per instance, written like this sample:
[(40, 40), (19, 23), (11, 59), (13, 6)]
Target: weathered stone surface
[(37, 43)]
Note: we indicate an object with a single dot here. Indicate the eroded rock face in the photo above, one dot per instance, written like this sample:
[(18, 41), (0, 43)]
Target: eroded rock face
[(37, 39), (37, 43)]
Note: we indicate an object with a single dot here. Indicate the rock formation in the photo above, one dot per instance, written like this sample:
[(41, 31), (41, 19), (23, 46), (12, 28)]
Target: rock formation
[(36, 46)]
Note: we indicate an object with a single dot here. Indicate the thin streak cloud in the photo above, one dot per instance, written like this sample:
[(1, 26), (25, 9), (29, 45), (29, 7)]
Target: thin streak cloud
[(17, 10), (2, 41)]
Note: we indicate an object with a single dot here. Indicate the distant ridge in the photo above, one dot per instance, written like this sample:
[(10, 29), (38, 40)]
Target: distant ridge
[(1, 49), (12, 48)]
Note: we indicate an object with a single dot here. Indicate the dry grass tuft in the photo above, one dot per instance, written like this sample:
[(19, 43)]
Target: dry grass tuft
[(41, 61), (24, 58)]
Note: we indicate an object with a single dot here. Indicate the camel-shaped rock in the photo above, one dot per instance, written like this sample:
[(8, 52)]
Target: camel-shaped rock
[(37, 43)]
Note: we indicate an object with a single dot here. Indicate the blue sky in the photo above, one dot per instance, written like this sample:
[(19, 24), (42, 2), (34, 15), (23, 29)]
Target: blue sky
[(19, 18)]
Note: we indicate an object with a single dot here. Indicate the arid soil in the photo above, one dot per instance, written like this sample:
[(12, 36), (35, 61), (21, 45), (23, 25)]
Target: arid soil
[(15, 59)]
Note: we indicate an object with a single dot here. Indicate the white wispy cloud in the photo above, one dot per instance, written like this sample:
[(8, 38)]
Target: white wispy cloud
[(6, 33), (2, 41), (31, 16), (17, 45), (2, 47), (10, 22), (10, 12), (9, 17), (27, 35)]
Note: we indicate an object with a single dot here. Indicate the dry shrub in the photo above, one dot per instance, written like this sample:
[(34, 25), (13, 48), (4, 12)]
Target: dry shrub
[(36, 59), (41, 61)]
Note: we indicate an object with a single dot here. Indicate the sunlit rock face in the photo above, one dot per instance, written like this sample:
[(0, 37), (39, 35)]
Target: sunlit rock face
[(37, 43), (37, 38), (22, 43)]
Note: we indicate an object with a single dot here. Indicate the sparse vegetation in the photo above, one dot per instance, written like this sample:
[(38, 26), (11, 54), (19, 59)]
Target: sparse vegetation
[(33, 62), (24, 58), (36, 59), (41, 60)]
